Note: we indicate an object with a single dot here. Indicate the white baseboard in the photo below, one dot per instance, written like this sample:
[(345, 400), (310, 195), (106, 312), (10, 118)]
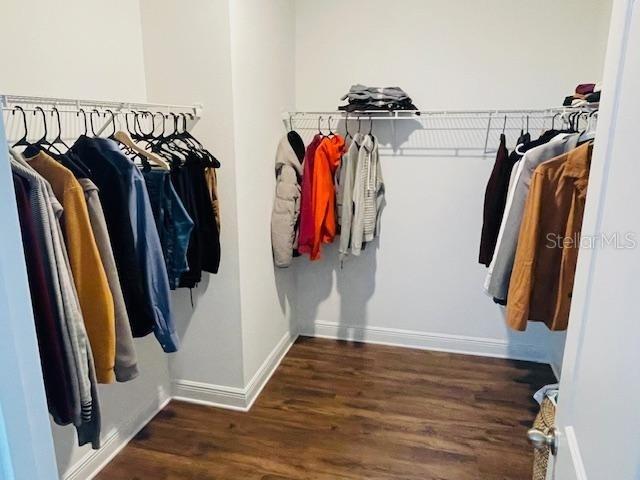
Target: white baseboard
[(485, 347), (95, 460), (234, 398)]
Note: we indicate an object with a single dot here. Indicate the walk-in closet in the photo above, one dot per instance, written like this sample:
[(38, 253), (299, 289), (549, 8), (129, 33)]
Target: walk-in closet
[(328, 240)]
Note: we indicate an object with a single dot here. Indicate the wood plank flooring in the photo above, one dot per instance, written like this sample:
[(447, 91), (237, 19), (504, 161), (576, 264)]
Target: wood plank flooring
[(349, 411)]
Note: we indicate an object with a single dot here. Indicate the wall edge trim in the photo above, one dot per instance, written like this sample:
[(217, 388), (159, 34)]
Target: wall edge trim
[(460, 344), (234, 398), (94, 461)]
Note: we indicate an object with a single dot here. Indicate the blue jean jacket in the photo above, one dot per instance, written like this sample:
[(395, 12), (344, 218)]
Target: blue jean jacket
[(147, 244), (173, 222)]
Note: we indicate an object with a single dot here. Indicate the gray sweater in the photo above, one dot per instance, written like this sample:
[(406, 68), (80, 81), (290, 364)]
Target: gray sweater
[(126, 366), (368, 195), (344, 197)]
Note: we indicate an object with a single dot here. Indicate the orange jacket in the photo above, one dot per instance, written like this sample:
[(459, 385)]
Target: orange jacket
[(326, 161), (541, 284)]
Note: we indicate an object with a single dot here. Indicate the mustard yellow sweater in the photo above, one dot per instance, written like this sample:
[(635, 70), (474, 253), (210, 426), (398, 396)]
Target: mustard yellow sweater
[(96, 300)]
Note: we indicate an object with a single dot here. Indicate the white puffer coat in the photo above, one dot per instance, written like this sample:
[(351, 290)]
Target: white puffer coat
[(286, 205)]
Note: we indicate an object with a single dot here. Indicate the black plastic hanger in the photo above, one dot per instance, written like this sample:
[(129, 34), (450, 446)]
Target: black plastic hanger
[(58, 140), (347, 134), (42, 141), (84, 116), (96, 111), (113, 121), (23, 142), (67, 159)]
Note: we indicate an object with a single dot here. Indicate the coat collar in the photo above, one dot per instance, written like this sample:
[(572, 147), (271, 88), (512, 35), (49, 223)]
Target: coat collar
[(577, 166)]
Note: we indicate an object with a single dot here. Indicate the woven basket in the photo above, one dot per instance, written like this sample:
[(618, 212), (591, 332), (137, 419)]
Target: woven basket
[(543, 422)]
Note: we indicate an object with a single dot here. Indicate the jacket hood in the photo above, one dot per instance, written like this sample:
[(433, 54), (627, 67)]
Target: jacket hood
[(290, 152)]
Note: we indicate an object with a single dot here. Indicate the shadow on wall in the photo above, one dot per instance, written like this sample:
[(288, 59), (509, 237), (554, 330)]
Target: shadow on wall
[(286, 289), (184, 303), (353, 280)]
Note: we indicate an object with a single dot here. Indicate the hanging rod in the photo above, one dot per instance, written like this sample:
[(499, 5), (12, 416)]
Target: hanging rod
[(10, 100), (418, 114), (8, 103)]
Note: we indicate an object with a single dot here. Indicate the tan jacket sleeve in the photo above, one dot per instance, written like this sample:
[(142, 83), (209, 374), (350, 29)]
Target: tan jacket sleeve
[(96, 300), (522, 277)]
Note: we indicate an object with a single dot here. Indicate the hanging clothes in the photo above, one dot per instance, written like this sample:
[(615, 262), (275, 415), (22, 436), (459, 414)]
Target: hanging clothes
[(147, 245), (286, 203), (86, 408), (499, 273), (203, 253), (211, 178), (541, 285), (94, 294), (326, 161), (172, 221), (114, 197), (346, 186), (55, 370), (495, 199), (126, 361), (134, 236), (368, 195), (306, 229)]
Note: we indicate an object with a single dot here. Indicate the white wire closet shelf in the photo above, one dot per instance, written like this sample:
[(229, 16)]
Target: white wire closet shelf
[(66, 106), (435, 132)]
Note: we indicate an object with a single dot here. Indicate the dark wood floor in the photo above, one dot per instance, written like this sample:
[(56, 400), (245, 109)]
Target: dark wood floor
[(338, 411)]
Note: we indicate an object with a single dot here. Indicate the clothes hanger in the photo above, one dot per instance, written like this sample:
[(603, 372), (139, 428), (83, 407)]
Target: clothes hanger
[(58, 140), (145, 156), (347, 134), (43, 142), (589, 133), (319, 129), (67, 159), (84, 115), (209, 157), (96, 111), (331, 134), (22, 142), (504, 124)]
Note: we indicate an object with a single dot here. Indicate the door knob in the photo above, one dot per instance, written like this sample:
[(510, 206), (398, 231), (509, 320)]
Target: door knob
[(539, 439)]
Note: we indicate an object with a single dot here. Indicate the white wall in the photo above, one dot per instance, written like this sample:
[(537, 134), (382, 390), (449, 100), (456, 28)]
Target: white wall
[(423, 278), (188, 60), (26, 446), (72, 49), (449, 55), (262, 50), (93, 50)]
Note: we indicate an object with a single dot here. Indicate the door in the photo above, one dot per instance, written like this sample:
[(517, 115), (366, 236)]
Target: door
[(26, 446), (598, 415)]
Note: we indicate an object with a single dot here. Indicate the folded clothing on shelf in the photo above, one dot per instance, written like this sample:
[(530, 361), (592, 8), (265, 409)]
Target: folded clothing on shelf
[(585, 94), (361, 97)]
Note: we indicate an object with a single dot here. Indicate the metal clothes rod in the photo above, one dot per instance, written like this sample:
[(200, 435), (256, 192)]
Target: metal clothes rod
[(418, 114), (9, 102), (495, 119)]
